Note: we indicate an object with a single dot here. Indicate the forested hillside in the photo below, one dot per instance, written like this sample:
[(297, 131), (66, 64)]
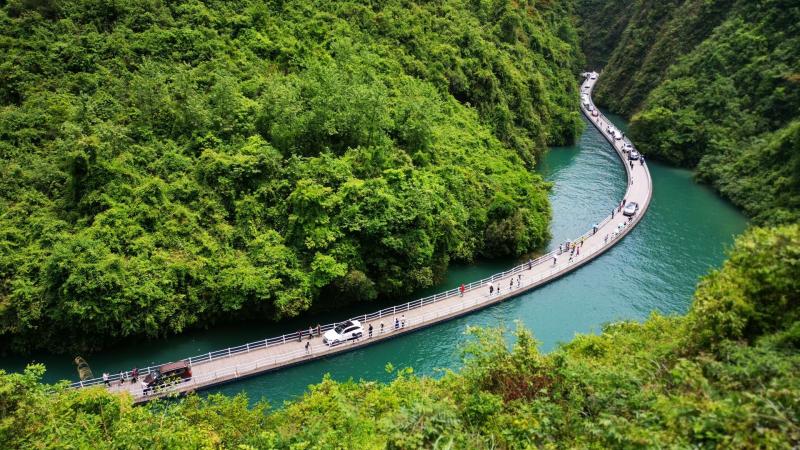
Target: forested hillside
[(169, 164), (724, 376), (713, 85)]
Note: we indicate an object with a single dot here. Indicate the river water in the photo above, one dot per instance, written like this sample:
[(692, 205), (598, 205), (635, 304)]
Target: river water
[(655, 268)]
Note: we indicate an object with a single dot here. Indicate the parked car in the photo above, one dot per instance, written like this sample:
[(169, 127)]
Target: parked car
[(595, 113), (633, 155), (630, 209), (593, 76), (345, 331), (168, 373)]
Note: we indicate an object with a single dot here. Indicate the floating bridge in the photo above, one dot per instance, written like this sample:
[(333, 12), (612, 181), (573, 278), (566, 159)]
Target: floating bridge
[(275, 353)]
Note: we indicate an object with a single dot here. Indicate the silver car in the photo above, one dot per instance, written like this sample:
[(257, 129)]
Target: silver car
[(630, 209)]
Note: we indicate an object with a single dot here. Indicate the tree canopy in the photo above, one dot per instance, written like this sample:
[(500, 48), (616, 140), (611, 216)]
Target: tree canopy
[(712, 85), (169, 164), (723, 376)]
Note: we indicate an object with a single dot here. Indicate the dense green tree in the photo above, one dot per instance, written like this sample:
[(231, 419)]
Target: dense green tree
[(723, 376), (711, 85), (168, 165)]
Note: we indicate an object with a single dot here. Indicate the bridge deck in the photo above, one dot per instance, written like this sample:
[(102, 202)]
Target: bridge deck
[(254, 359)]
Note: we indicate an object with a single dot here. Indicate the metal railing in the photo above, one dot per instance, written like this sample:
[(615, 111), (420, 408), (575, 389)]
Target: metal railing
[(298, 335), (393, 310), (273, 361)]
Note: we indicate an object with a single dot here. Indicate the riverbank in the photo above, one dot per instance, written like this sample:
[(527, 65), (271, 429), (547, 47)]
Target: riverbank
[(657, 276)]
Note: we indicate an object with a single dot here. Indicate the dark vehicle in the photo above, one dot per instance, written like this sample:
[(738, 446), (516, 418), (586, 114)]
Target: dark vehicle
[(169, 373)]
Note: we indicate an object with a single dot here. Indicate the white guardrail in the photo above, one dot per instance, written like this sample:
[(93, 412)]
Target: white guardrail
[(290, 337), (246, 368), (272, 361)]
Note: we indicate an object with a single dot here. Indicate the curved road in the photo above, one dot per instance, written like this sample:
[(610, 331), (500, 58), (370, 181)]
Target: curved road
[(275, 353)]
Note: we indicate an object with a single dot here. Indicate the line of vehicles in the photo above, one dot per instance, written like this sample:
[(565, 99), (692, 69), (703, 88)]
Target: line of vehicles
[(587, 102), (631, 208), (611, 130), (627, 148)]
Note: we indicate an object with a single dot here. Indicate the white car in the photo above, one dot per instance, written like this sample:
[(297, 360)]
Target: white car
[(633, 155), (594, 76), (345, 331), (630, 209)]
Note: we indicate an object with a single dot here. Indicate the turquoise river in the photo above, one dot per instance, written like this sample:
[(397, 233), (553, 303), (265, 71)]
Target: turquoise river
[(655, 268)]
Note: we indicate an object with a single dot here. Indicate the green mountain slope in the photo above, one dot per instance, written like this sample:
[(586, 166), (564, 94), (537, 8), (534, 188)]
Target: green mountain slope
[(169, 164), (724, 376), (711, 85)]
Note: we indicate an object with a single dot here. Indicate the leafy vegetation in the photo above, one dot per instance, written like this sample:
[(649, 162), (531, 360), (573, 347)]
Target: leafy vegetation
[(712, 85), (723, 376), (168, 164)]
